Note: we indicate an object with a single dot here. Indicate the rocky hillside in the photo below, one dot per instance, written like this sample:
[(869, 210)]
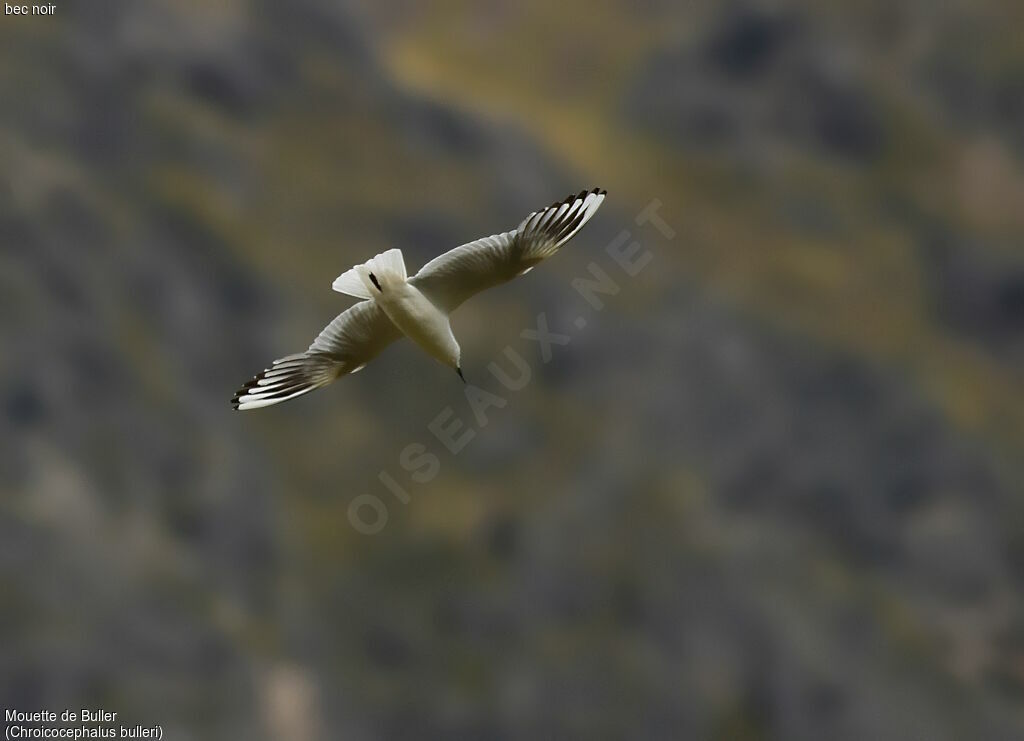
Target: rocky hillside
[(772, 489)]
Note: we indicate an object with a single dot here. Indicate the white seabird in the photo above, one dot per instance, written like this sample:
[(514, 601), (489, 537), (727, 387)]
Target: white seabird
[(416, 307)]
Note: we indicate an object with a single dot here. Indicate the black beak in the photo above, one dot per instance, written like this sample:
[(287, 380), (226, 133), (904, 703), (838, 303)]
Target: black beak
[(458, 370)]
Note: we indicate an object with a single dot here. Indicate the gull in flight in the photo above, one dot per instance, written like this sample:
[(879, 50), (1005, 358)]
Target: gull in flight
[(417, 307)]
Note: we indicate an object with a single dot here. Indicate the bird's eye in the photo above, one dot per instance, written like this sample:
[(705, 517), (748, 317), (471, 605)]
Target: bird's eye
[(373, 279)]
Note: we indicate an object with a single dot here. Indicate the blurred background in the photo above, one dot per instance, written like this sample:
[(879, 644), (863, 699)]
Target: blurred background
[(772, 491)]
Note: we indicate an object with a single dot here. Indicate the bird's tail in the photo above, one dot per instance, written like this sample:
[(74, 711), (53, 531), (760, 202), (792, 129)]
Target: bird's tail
[(287, 378), (374, 275)]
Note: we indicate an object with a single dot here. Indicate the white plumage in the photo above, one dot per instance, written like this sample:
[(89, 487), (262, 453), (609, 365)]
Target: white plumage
[(393, 305)]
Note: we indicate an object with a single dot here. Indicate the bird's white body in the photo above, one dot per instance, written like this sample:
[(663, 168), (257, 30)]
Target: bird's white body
[(420, 321), (392, 304), (382, 280)]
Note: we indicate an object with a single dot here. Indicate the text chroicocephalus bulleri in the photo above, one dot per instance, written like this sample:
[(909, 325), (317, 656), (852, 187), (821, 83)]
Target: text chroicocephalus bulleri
[(418, 307)]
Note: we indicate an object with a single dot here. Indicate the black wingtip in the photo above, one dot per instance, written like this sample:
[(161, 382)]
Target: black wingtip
[(577, 196), (236, 400), (458, 370)]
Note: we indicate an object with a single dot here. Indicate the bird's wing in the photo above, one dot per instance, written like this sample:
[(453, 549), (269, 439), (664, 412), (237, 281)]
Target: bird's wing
[(354, 338), (453, 277)]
